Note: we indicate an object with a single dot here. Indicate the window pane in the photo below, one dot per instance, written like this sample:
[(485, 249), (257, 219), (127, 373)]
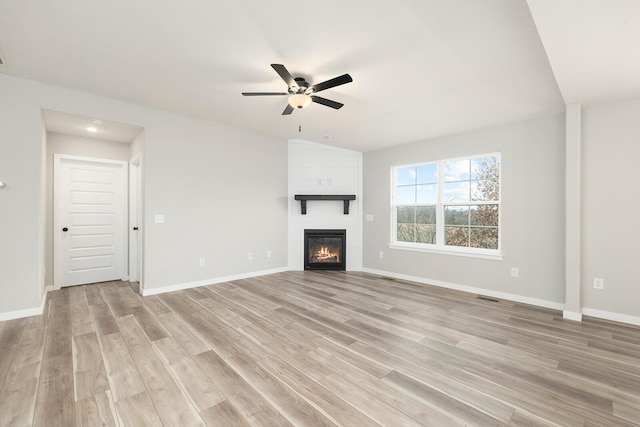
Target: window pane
[(457, 170), (426, 234), (456, 236), (428, 174), (484, 167), (485, 190), (485, 215), (406, 195), (406, 176), (456, 191), (427, 193), (426, 215), (406, 233), (486, 238), (406, 215), (456, 215)]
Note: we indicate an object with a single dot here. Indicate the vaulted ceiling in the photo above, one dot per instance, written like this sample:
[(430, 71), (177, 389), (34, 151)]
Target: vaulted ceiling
[(420, 68)]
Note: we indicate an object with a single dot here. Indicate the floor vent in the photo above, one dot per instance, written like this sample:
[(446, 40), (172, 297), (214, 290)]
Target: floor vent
[(488, 298)]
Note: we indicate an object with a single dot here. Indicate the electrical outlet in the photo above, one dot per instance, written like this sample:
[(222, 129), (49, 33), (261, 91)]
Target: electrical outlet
[(268, 254), (598, 283), (380, 254), (201, 262), (250, 257), (159, 219), (515, 272)]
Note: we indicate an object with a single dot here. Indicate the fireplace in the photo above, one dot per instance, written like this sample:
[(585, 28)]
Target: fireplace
[(325, 249)]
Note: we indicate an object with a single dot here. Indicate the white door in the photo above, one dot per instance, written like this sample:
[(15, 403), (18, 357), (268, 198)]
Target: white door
[(89, 220)]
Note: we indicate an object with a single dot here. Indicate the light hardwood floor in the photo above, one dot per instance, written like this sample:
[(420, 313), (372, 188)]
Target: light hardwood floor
[(312, 349)]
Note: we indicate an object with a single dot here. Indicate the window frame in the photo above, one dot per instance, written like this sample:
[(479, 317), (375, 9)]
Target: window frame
[(439, 247)]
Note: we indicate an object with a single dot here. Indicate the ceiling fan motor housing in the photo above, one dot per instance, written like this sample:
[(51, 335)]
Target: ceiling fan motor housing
[(301, 87)]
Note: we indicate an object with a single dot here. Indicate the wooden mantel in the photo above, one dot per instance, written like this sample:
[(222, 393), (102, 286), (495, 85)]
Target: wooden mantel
[(346, 198)]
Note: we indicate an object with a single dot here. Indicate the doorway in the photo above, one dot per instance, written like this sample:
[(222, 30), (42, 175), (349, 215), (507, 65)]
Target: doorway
[(100, 142)]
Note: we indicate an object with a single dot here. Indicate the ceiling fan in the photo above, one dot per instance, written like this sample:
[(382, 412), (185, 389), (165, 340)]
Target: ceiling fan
[(301, 93)]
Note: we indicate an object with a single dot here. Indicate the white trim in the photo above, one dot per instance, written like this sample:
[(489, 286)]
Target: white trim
[(443, 250), (470, 289), (133, 236), (572, 315), (573, 208), (608, 315), (189, 285), (27, 312)]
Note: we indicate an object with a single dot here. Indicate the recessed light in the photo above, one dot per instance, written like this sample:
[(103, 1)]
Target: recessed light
[(94, 126)]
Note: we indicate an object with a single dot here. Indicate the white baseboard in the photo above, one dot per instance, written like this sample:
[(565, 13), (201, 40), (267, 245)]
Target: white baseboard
[(27, 312), (616, 317), (572, 315), (189, 285), (470, 289)]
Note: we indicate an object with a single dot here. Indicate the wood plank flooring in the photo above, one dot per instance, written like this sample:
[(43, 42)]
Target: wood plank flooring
[(312, 349)]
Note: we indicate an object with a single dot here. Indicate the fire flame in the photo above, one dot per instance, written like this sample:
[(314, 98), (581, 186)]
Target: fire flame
[(325, 255)]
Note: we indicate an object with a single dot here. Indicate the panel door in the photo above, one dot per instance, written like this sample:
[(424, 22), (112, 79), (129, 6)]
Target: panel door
[(90, 225)]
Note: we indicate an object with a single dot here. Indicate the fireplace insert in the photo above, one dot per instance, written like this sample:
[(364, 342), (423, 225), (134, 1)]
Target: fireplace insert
[(325, 249)]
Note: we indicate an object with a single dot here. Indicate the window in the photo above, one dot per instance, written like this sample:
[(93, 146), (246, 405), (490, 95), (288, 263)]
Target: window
[(448, 205)]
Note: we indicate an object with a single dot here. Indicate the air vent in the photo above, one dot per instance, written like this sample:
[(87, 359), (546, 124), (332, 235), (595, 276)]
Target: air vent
[(486, 298)]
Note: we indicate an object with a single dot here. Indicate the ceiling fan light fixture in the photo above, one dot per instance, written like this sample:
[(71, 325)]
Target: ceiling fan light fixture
[(299, 100)]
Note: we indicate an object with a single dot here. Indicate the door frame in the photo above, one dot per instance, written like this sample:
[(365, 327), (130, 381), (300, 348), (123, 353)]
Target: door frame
[(135, 220), (57, 224)]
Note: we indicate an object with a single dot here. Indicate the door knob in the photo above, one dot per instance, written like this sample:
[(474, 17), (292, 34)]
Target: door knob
[(65, 229)]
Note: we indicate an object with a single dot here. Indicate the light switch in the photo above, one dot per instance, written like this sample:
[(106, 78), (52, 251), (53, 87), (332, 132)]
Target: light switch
[(159, 219)]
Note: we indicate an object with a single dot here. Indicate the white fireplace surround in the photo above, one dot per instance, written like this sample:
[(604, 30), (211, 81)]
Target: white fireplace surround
[(322, 169)]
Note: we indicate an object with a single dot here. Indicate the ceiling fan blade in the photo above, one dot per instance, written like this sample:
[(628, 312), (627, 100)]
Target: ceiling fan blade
[(327, 102), (263, 93), (336, 81), (287, 110), (285, 74)]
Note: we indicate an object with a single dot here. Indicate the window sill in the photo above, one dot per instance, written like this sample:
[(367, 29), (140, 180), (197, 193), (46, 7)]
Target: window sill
[(464, 252)]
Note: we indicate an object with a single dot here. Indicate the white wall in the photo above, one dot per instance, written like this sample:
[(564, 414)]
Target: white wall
[(532, 213), (22, 201), (610, 208), (223, 191), (322, 169)]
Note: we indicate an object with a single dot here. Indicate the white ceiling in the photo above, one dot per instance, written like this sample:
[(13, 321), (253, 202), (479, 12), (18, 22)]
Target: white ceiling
[(421, 68), (73, 124)]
